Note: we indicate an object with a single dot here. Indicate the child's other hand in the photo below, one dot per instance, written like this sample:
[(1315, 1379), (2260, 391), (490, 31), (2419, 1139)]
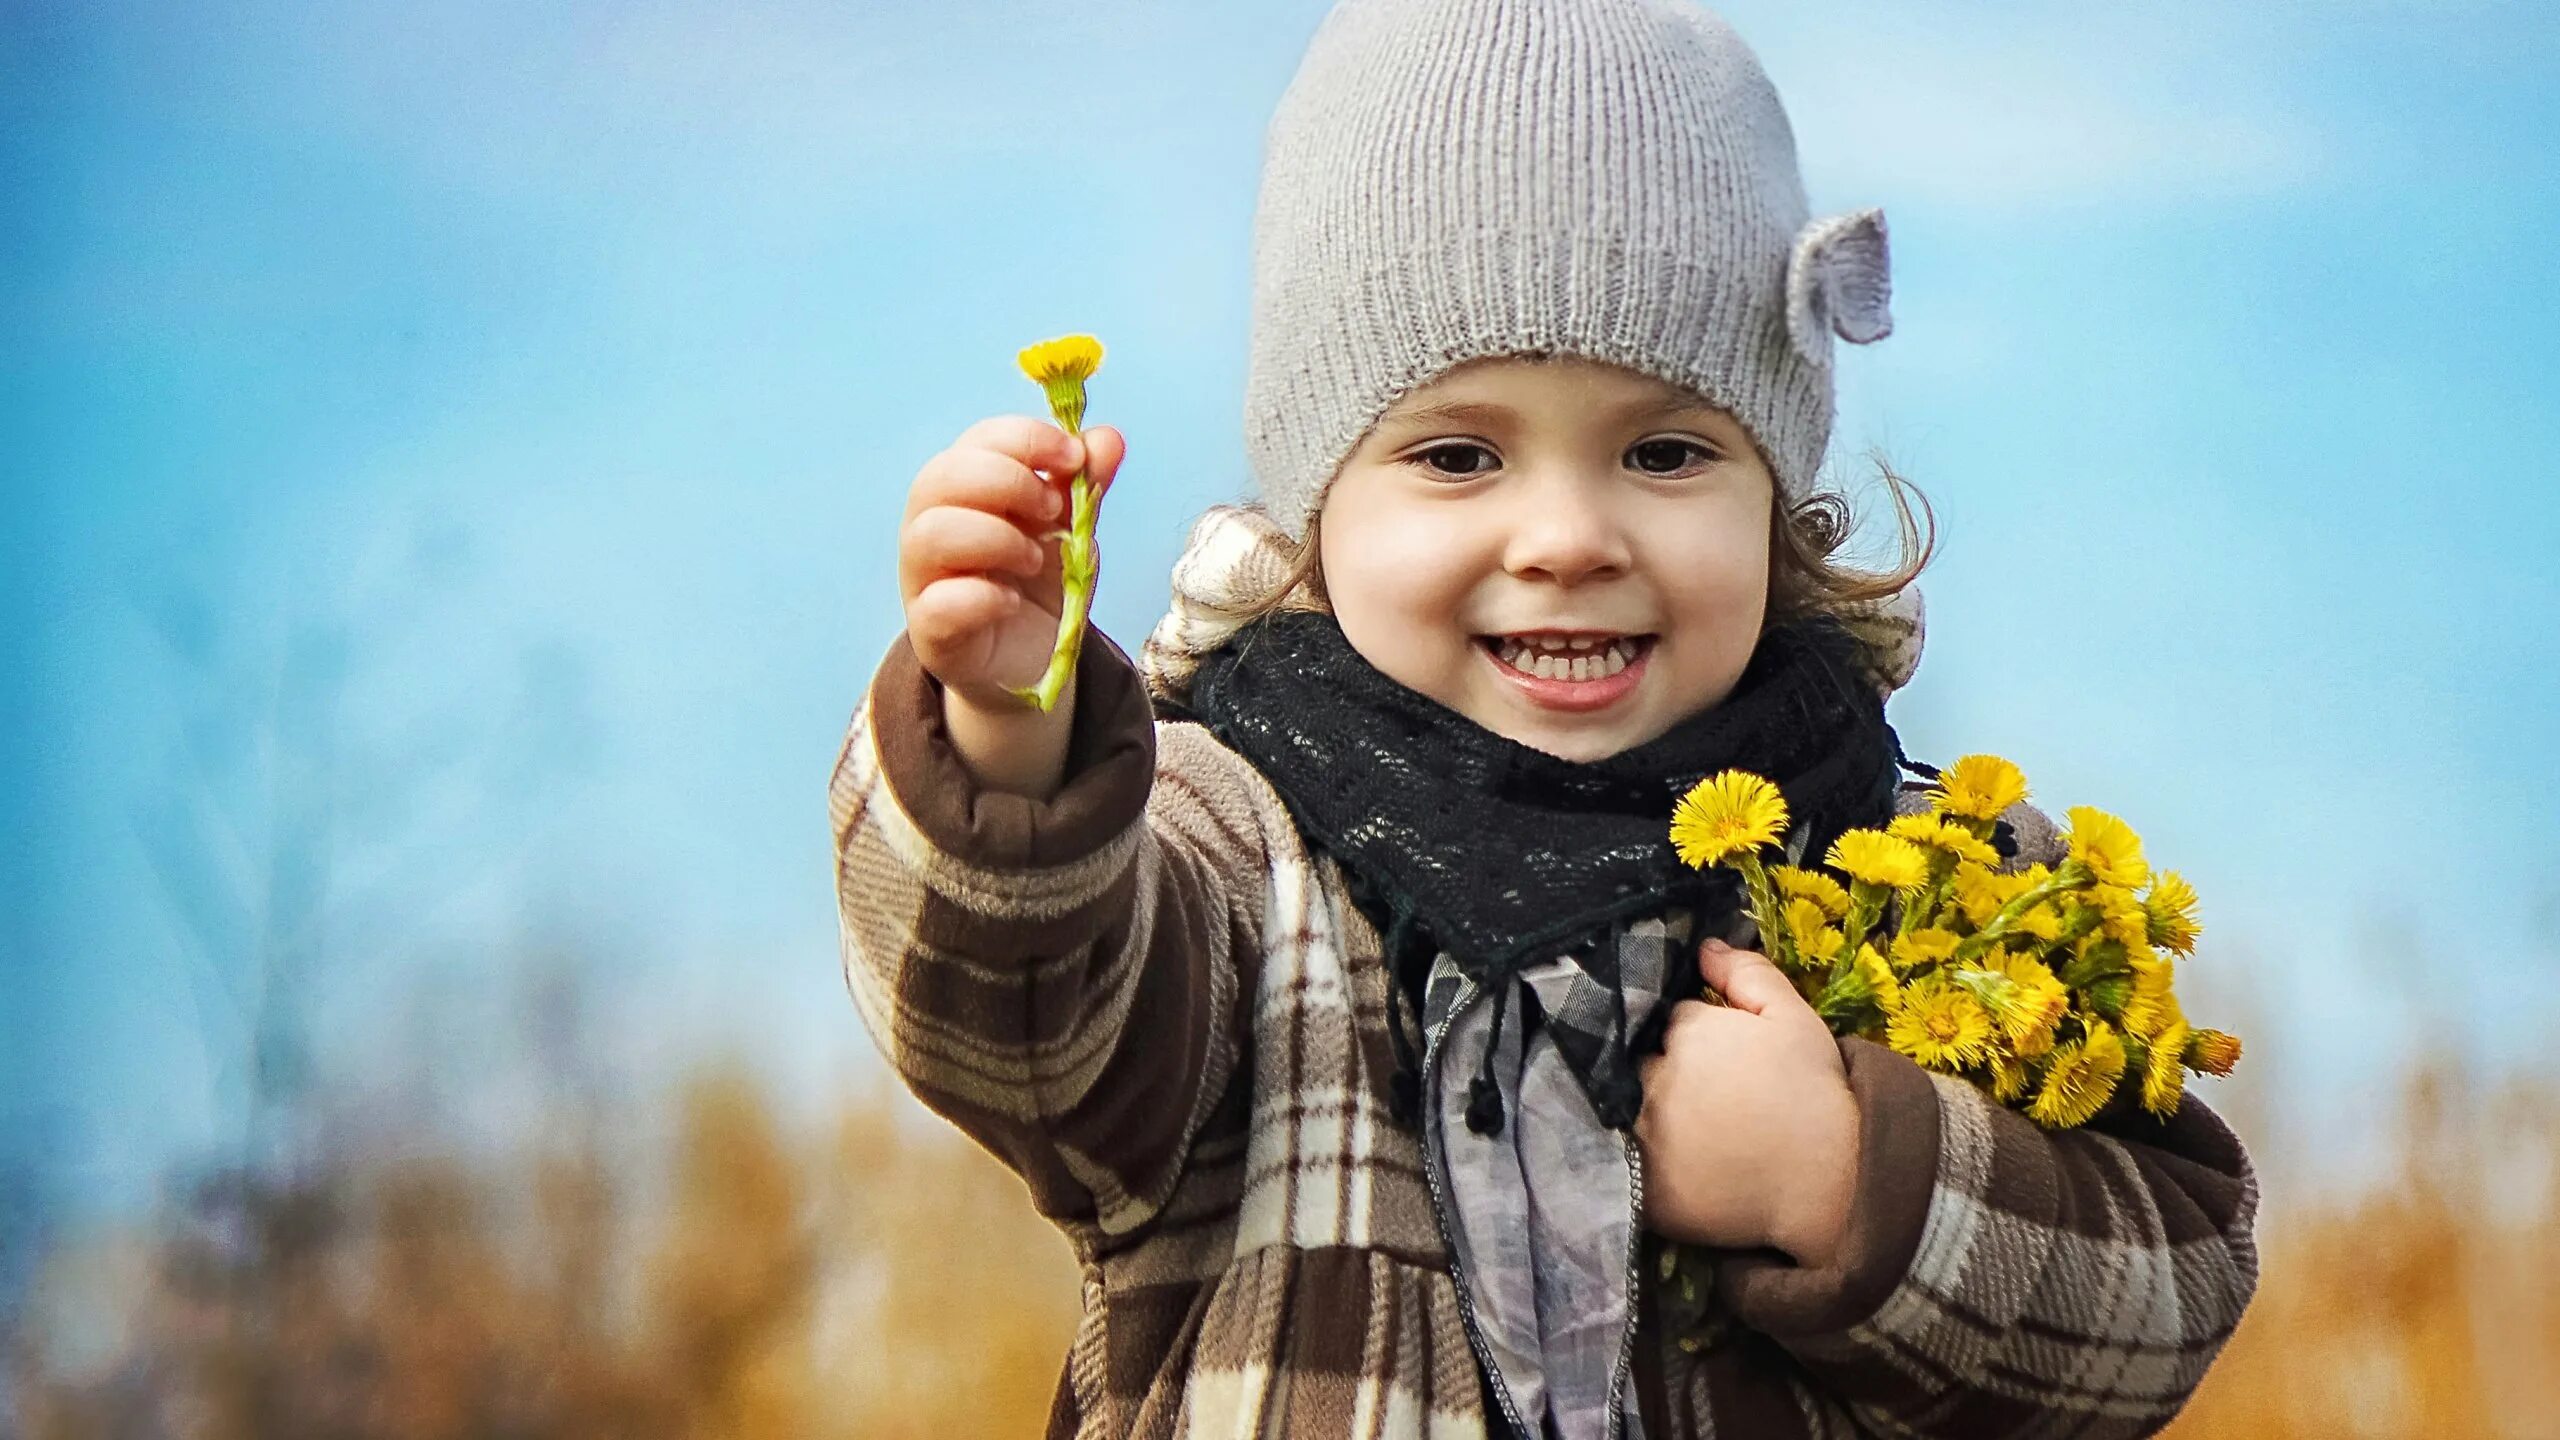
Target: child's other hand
[(977, 554), (1749, 1132)]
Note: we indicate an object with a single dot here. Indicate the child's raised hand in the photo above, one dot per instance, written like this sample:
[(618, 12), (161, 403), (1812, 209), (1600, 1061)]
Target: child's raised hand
[(978, 552), (1749, 1132)]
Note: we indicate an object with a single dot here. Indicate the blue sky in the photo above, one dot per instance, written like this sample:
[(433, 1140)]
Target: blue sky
[(541, 385)]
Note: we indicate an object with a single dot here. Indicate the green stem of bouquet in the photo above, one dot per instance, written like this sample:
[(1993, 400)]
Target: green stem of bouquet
[(2071, 876), (1942, 868), (1777, 940), (1865, 903)]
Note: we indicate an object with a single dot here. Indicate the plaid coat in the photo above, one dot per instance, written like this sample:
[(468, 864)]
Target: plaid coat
[(1148, 998)]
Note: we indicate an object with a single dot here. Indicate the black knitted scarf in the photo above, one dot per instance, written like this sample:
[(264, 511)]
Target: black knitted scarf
[(1453, 838)]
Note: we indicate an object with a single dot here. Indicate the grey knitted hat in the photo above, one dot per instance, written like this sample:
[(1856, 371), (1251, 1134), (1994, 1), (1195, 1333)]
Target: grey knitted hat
[(1613, 179)]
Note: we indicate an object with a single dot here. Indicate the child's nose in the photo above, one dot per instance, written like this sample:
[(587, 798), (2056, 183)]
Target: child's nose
[(1565, 535)]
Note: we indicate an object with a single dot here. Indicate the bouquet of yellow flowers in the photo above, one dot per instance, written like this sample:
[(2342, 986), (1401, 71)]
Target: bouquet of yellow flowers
[(2050, 988)]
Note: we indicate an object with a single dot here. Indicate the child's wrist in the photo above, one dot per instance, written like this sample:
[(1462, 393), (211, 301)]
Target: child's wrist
[(1815, 1220), (1009, 745)]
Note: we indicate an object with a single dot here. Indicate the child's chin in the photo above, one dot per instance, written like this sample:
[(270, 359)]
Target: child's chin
[(1580, 746)]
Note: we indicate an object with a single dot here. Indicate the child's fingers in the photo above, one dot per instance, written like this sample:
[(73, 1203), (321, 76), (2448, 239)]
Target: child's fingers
[(954, 613), (989, 480), (951, 539), (1040, 444), (1104, 448), (1747, 979)]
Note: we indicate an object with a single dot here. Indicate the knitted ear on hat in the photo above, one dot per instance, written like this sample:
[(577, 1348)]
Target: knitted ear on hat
[(1839, 278)]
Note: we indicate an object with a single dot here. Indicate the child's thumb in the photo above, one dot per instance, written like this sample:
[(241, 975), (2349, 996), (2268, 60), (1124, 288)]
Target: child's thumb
[(1104, 446)]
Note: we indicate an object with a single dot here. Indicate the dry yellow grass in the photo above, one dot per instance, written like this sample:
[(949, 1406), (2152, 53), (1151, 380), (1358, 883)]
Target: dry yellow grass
[(2430, 1307), (883, 1278)]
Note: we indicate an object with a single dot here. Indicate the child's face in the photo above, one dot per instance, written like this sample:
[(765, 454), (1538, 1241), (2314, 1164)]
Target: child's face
[(1568, 495)]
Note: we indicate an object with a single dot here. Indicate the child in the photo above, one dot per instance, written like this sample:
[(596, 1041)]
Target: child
[(1325, 975)]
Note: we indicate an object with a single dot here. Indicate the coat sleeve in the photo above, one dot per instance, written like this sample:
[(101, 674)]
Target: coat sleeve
[(1999, 1280), (1059, 978)]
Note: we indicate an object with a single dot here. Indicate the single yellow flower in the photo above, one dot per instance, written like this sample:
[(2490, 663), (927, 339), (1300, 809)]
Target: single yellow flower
[(1881, 984), (2079, 1078), (2044, 922), (1979, 787), (2211, 1052), (2120, 912), (2163, 1080), (2169, 911), (1727, 814), (1807, 923), (1811, 885), (1981, 894), (2037, 1000), (1825, 947), (1932, 832), (1927, 945), (1940, 1025), (1061, 367), (1875, 858), (2151, 1008), (2107, 846), (2008, 1076)]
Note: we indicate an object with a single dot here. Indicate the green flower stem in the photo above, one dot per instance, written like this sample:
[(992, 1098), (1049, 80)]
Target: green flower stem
[(1777, 940), (2072, 876), (1865, 903), (1942, 876), (1844, 997), (1078, 562)]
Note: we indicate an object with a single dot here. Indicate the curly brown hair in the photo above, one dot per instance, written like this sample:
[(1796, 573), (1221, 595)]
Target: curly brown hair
[(1805, 577)]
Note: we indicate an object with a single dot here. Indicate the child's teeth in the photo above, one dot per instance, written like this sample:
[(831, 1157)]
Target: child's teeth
[(1597, 662)]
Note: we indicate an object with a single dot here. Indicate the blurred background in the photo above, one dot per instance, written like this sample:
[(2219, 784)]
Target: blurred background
[(454, 455)]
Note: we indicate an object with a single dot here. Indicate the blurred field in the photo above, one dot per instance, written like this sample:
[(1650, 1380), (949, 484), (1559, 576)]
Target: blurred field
[(882, 1278)]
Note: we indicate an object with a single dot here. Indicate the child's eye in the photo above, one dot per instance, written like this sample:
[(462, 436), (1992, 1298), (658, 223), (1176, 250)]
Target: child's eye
[(1645, 455), (1451, 448)]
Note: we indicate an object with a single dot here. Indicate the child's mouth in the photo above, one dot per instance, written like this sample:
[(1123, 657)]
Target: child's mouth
[(1553, 675)]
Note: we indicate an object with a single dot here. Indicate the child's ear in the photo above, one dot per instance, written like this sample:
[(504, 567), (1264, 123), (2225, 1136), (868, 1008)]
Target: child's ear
[(1840, 280)]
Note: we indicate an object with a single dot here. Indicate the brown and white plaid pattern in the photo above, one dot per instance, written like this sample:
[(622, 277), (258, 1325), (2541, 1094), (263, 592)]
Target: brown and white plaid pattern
[(1150, 1000)]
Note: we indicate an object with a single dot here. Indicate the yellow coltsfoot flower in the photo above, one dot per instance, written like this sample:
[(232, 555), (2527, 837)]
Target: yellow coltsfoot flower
[(2169, 913), (2037, 1000), (1811, 928), (1725, 815), (2164, 1078), (1876, 858), (1927, 945), (2079, 1077), (2150, 1008), (2120, 912), (1060, 367), (2008, 1077), (1940, 1025), (1882, 985), (2107, 847), (2211, 1052), (1981, 893), (1978, 787), (1811, 885), (1932, 832)]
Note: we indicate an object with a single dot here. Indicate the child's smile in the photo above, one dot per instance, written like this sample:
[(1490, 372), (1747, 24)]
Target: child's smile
[(1569, 553), (1571, 670)]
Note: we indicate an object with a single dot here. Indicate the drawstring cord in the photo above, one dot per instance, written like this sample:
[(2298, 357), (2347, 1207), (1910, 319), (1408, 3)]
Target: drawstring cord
[(1404, 1088), (1484, 1097)]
